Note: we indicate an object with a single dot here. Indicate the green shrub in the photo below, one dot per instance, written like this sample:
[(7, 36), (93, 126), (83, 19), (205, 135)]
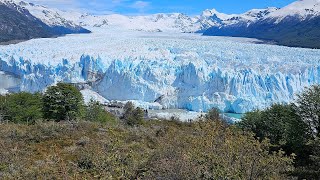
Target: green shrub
[(96, 113), (279, 123), (21, 107), (62, 102), (283, 127)]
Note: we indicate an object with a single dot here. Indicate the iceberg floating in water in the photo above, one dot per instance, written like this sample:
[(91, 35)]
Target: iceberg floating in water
[(166, 70)]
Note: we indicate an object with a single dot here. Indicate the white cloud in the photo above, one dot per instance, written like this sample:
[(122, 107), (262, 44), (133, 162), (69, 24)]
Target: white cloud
[(140, 5)]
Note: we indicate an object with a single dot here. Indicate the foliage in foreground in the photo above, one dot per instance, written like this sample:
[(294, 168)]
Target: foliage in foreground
[(21, 107), (95, 112), (293, 128), (156, 150)]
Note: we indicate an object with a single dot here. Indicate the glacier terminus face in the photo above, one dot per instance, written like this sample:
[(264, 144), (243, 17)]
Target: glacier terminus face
[(162, 70)]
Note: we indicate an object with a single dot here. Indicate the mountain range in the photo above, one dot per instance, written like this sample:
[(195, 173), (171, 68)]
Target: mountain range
[(297, 24), (171, 22)]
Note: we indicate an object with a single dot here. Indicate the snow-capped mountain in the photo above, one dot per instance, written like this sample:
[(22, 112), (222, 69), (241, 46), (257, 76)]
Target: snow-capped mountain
[(64, 21), (171, 22), (52, 18), (212, 18), (302, 9), (16, 23), (297, 24), (176, 22), (23, 21), (49, 16)]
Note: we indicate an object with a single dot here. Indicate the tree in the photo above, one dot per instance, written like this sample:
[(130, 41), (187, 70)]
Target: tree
[(308, 108), (96, 112), (283, 127), (279, 123), (21, 107), (132, 116), (62, 102)]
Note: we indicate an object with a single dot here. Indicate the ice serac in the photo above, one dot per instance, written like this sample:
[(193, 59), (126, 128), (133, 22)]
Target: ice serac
[(155, 70)]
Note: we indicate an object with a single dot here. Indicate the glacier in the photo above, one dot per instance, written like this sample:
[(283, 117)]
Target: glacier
[(166, 71)]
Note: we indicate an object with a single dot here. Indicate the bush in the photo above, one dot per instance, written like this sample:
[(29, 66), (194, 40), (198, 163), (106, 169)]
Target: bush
[(96, 113), (62, 102), (279, 123), (132, 116), (21, 107)]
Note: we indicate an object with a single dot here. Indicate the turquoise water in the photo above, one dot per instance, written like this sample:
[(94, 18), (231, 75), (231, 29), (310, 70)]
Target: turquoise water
[(237, 116)]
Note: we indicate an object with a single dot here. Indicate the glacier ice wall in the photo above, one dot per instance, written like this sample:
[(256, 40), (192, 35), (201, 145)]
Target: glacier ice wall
[(36, 77), (187, 86), (190, 87), (181, 71)]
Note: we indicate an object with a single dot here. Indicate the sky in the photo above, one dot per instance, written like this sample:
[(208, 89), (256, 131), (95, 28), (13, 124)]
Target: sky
[(135, 7)]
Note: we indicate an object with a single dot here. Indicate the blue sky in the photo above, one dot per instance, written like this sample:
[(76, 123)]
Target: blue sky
[(191, 7)]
